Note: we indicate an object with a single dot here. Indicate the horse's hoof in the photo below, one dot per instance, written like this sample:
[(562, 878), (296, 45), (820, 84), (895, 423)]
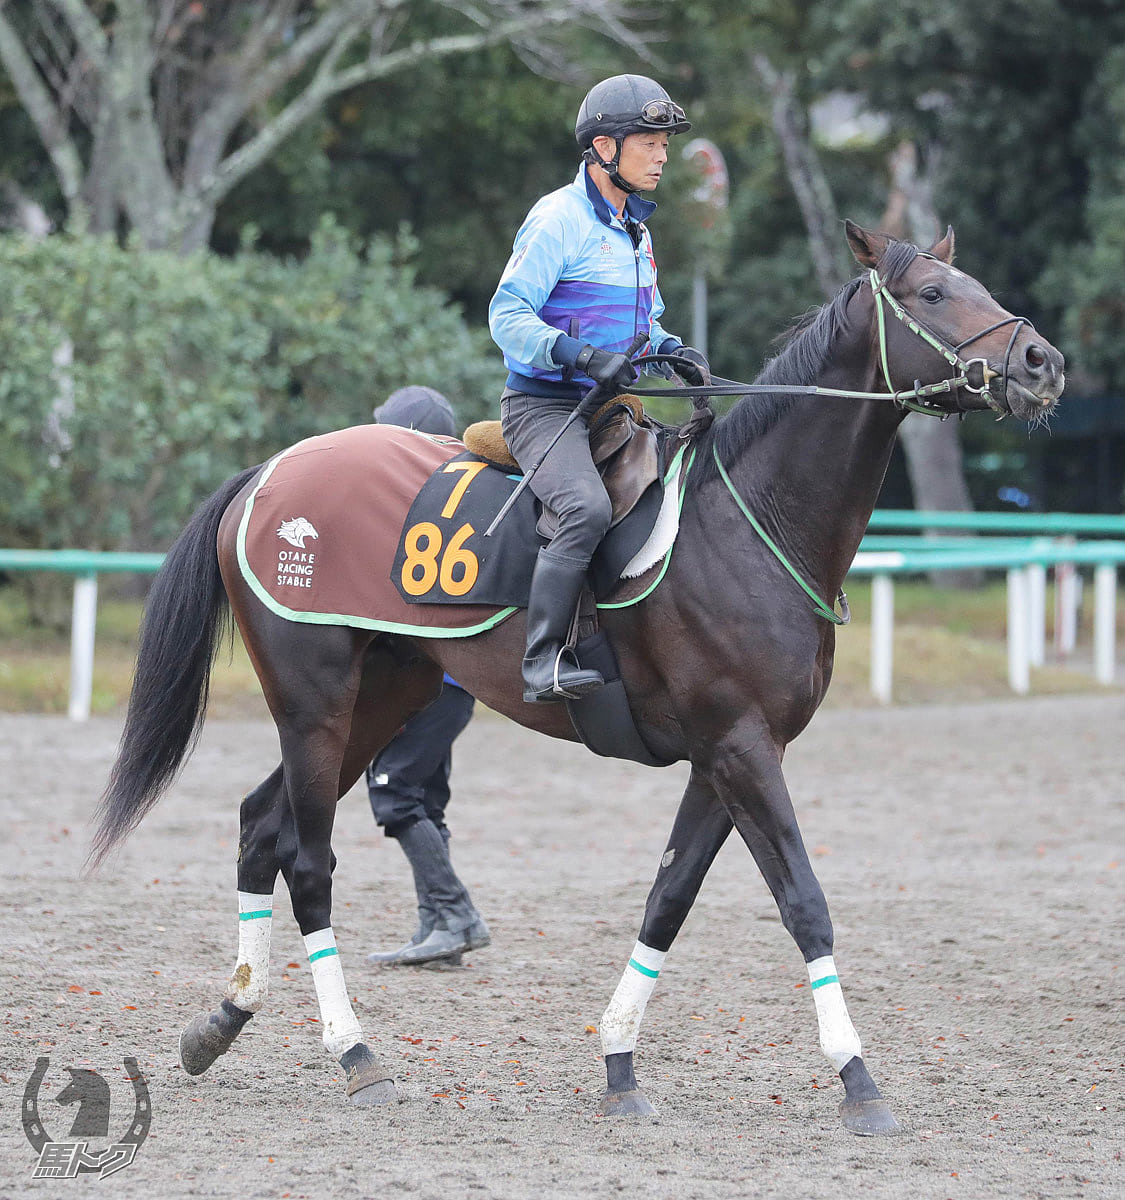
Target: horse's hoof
[(204, 1039), (626, 1104), (383, 1091), (868, 1118), (368, 1083)]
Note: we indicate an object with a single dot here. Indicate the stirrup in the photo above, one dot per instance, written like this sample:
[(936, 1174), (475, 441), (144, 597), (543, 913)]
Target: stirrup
[(555, 689), (575, 690)]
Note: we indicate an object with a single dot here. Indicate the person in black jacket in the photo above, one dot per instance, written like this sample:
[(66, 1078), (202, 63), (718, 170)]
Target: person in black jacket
[(408, 782)]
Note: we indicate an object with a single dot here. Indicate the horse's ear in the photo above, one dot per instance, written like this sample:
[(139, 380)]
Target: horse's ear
[(943, 248), (866, 246)]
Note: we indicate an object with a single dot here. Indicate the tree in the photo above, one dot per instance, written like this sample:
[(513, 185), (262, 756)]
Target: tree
[(932, 448), (1089, 276), (806, 176), (151, 111), (1018, 95)]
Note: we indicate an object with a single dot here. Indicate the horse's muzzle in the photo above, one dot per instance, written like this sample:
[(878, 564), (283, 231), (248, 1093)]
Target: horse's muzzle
[(1033, 379)]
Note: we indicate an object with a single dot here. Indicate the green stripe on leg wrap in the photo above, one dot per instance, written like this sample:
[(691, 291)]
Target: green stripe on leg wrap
[(643, 970), (254, 916), (325, 953), (817, 983)]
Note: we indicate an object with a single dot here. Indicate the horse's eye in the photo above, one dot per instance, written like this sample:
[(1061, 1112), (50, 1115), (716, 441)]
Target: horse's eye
[(931, 295)]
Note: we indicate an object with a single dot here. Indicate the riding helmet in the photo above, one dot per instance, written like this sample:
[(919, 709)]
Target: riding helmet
[(627, 104)]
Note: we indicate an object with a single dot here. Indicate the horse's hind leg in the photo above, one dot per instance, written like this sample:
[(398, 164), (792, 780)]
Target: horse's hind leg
[(335, 718), (748, 779), (701, 826), (314, 707), (263, 812)]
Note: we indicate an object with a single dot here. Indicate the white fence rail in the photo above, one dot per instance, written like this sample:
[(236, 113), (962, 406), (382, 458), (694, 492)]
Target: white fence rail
[(1026, 562)]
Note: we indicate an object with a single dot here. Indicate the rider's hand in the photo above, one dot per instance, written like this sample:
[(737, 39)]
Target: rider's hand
[(692, 365), (612, 371)]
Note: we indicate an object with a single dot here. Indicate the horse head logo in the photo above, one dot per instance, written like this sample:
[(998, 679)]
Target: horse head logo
[(295, 531), (90, 1092)]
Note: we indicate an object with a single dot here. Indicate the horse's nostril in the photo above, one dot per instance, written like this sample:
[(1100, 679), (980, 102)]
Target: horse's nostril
[(1035, 357)]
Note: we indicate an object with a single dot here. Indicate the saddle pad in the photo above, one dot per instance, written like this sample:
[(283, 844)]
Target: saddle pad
[(443, 556), (319, 534)]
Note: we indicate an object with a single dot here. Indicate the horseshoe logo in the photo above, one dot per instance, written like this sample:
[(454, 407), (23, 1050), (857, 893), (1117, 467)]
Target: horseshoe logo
[(32, 1125), (36, 1131)]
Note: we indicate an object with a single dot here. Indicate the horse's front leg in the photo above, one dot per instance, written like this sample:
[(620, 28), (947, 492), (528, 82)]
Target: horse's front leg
[(701, 826), (746, 773)]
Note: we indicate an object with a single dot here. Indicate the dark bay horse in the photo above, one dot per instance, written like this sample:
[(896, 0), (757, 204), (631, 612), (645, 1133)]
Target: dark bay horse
[(724, 663)]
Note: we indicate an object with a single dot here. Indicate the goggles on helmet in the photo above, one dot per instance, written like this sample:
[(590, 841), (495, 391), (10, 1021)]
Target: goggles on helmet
[(662, 112)]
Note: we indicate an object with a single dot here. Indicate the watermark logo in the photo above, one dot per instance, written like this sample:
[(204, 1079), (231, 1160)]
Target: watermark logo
[(87, 1089)]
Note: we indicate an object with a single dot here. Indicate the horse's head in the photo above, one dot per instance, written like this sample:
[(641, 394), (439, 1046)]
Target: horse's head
[(1002, 355)]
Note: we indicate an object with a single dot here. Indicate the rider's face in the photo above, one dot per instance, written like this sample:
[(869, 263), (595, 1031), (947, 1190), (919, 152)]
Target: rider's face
[(643, 156)]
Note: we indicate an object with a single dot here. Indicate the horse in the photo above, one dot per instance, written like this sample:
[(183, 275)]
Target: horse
[(724, 663)]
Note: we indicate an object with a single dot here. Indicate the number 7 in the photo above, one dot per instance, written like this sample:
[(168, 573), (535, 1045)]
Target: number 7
[(471, 471)]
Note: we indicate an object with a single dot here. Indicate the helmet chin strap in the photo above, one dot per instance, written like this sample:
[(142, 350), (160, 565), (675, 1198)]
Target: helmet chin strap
[(612, 167)]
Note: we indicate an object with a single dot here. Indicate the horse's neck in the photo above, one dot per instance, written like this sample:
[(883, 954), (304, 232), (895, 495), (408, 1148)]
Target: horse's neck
[(813, 479)]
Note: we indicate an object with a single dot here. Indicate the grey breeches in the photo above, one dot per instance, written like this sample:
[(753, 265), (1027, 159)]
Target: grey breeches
[(567, 481)]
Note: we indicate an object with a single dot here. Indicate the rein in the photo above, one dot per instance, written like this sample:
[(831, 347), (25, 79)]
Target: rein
[(915, 399)]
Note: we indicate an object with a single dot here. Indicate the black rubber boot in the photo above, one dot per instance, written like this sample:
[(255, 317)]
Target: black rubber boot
[(550, 671), (449, 924)]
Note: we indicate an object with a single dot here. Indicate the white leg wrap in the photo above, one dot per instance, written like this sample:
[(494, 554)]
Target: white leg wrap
[(341, 1028), (249, 985), (838, 1038), (621, 1021)]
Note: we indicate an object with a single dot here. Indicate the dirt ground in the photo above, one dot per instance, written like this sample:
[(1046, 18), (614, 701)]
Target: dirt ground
[(972, 856)]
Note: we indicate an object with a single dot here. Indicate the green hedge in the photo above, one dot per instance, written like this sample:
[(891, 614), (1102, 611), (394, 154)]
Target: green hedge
[(133, 382)]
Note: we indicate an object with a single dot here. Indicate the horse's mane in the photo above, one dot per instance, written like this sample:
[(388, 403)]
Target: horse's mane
[(804, 349)]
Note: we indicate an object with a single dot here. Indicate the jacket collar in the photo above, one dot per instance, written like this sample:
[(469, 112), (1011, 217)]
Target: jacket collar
[(635, 206)]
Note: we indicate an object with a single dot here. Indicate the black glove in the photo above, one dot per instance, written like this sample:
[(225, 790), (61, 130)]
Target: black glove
[(612, 371), (689, 364)]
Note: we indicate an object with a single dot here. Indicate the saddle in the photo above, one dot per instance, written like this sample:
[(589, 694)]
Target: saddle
[(623, 444)]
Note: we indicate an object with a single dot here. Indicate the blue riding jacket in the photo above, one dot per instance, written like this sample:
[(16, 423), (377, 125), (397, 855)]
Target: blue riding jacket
[(578, 274)]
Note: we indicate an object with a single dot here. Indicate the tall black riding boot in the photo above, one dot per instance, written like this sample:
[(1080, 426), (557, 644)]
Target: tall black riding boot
[(456, 924), (550, 671)]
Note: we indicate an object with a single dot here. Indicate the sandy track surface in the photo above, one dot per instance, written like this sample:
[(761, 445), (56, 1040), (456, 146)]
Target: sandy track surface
[(972, 857)]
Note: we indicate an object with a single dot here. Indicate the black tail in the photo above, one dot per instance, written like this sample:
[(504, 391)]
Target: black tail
[(185, 617)]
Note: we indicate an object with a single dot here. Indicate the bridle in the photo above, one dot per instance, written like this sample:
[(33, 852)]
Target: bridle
[(914, 400), (973, 375)]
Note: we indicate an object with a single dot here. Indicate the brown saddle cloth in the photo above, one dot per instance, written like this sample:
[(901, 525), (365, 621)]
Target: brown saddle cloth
[(623, 445), (318, 534)]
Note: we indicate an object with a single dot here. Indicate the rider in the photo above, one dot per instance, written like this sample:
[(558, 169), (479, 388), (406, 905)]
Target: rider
[(581, 283)]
